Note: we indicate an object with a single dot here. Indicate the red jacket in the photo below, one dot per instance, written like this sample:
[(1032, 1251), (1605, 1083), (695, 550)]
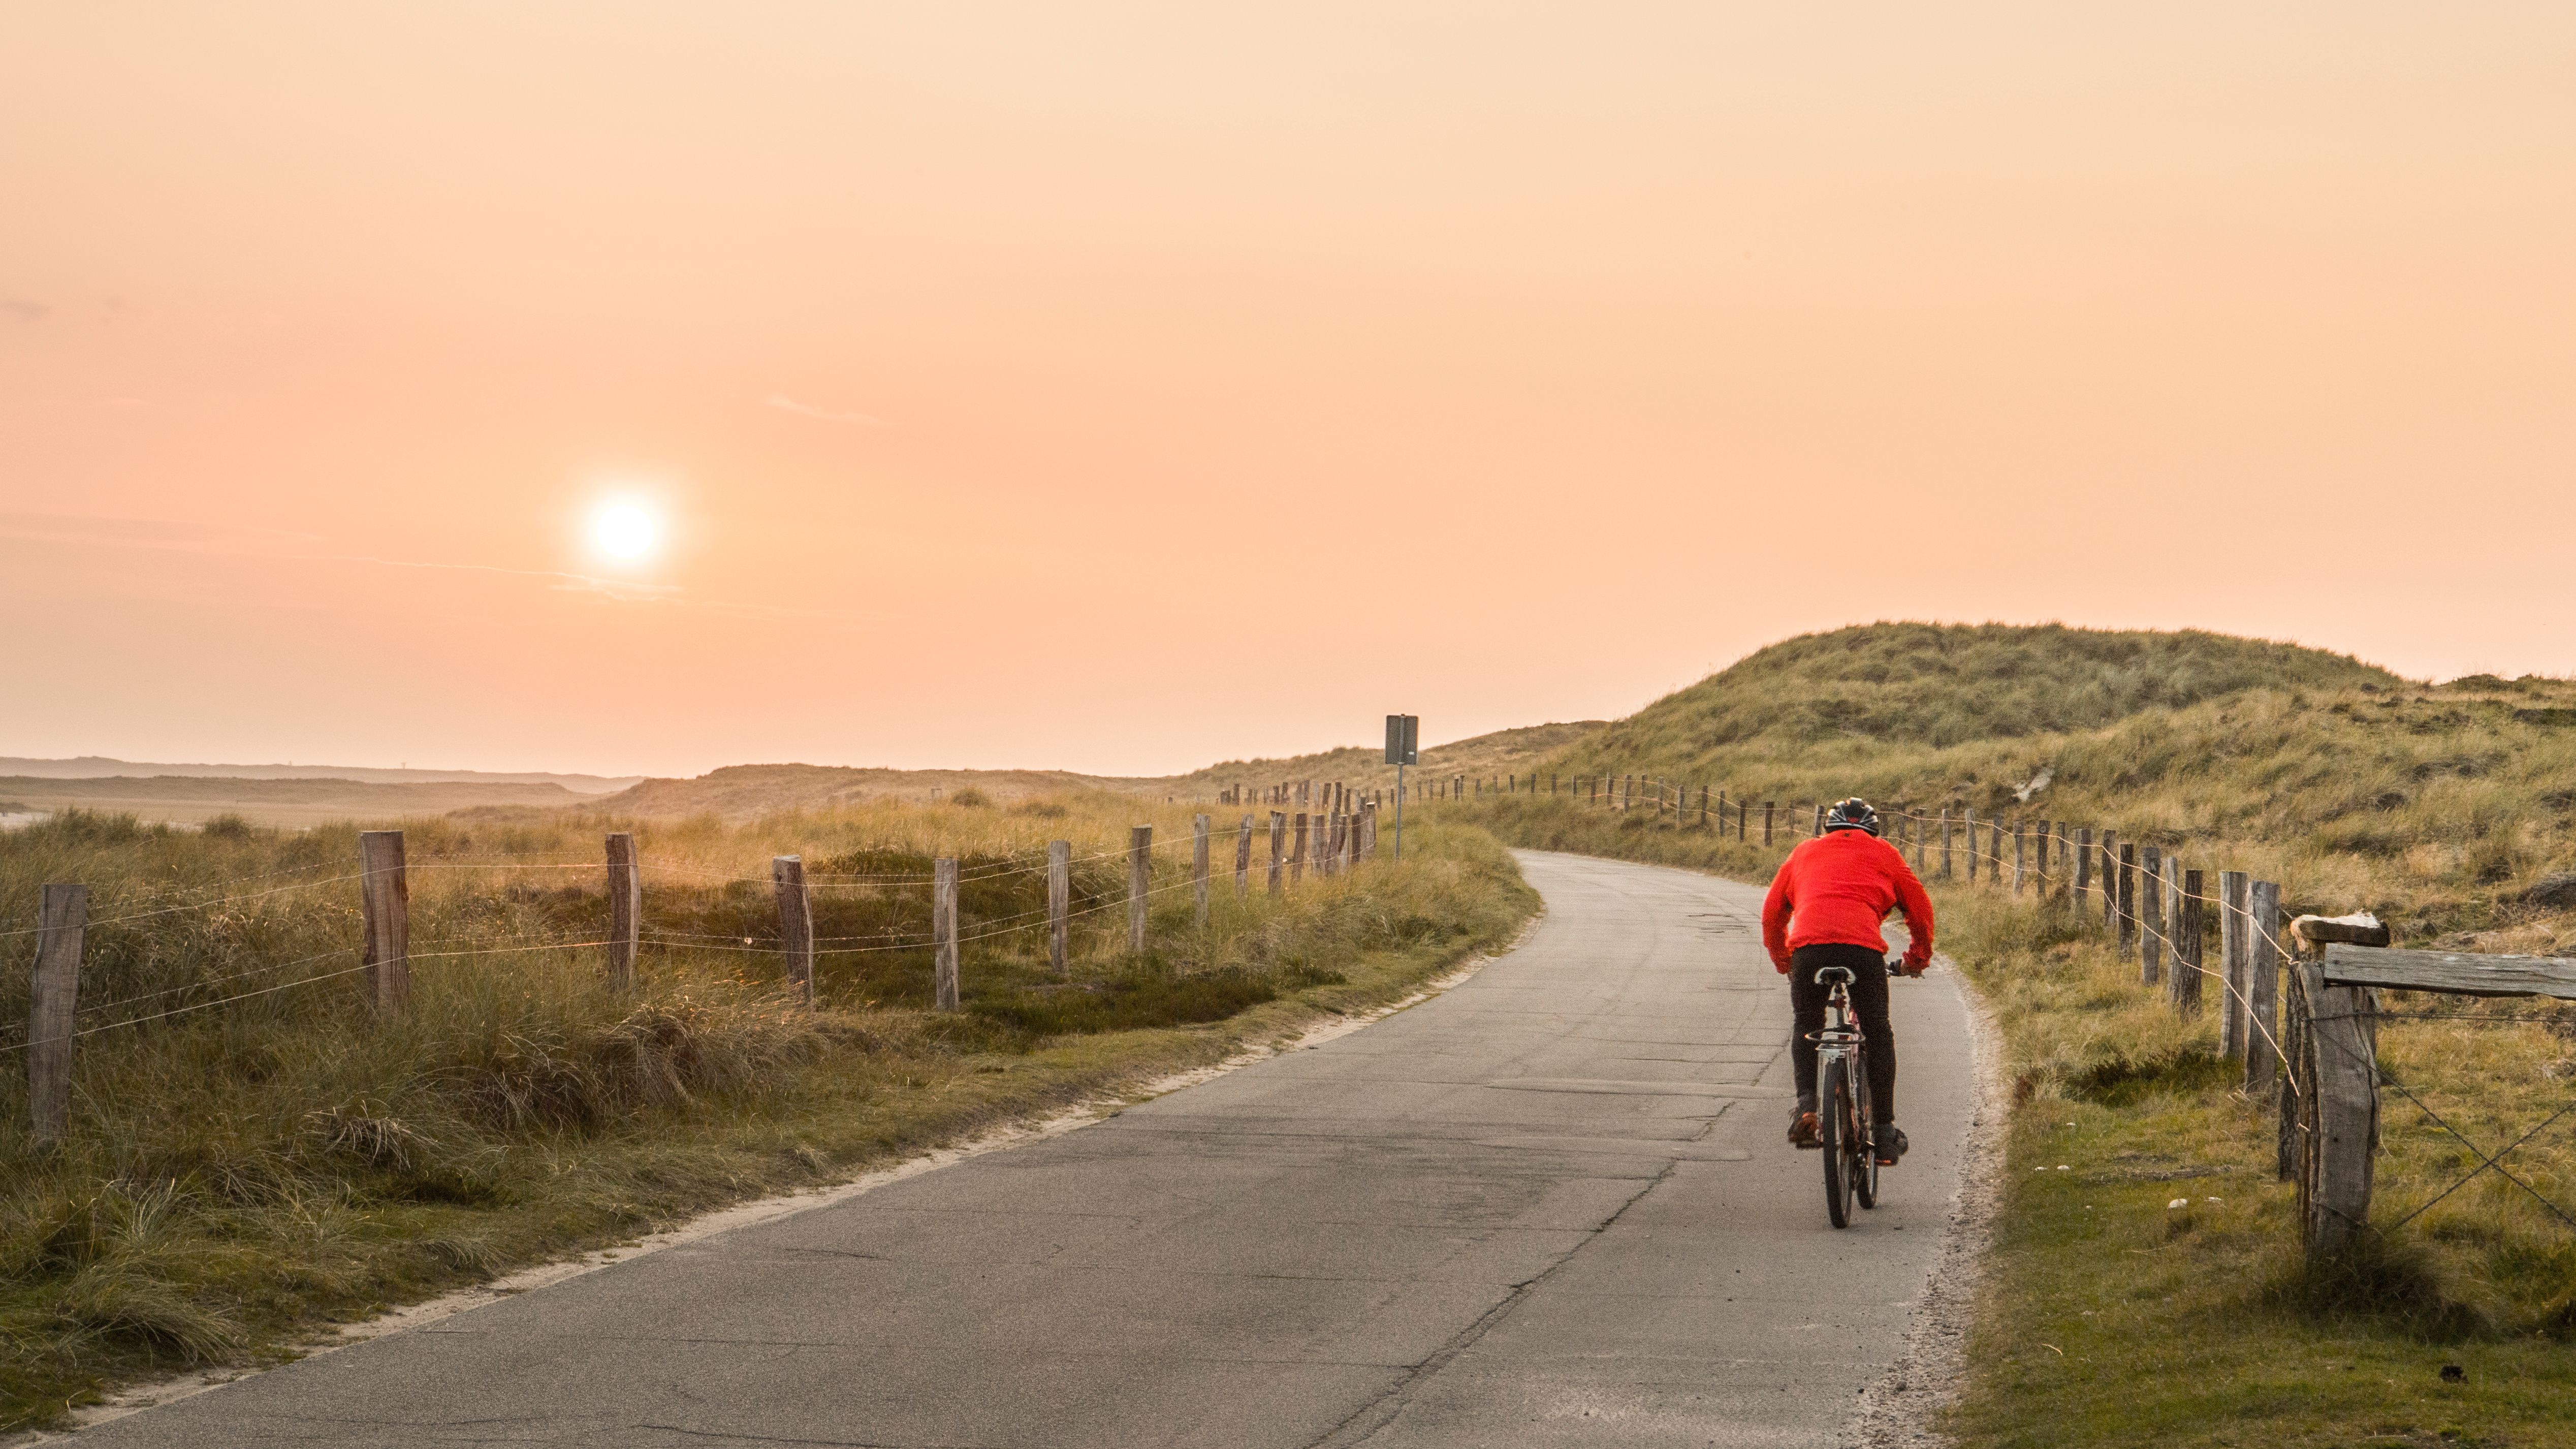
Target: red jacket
[(1835, 890)]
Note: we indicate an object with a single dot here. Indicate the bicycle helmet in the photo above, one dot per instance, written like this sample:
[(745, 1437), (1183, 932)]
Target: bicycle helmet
[(1851, 814)]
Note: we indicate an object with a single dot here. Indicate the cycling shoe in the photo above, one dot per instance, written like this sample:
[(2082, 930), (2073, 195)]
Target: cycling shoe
[(1805, 1132), (1891, 1144)]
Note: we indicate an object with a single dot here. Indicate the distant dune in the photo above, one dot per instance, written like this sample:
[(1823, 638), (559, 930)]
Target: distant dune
[(190, 799), (94, 767), (301, 795)]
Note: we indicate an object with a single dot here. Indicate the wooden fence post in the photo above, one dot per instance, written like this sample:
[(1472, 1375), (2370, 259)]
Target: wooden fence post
[(2262, 984), (795, 924), (1199, 866), (2231, 962), (1060, 903), (2341, 1110), (2082, 890), (625, 910), (2110, 881), (386, 900), (1767, 808), (1140, 880), (1278, 849), (1243, 860), (1972, 844), (1819, 832), (2128, 922), (1297, 849), (2018, 834), (943, 931), (1918, 845), (2190, 953), (2151, 915), (53, 996)]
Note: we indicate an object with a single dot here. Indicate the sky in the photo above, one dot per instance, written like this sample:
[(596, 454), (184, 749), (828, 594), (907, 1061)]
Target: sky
[(1125, 387)]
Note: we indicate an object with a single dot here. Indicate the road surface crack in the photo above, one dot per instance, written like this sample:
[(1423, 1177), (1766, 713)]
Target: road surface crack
[(1363, 1423)]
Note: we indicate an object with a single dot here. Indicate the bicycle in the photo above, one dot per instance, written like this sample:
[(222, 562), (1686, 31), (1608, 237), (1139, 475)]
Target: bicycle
[(1842, 1093)]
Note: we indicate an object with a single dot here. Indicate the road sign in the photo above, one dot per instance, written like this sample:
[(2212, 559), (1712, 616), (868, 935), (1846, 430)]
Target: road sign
[(1403, 739)]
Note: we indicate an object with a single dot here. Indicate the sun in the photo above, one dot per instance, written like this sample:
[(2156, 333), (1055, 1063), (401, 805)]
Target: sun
[(625, 530)]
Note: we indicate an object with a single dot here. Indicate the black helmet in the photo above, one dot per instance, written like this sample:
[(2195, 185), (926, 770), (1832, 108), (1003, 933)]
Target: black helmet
[(1851, 814)]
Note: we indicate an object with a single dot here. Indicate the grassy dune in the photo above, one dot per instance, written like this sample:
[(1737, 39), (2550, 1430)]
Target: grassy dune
[(244, 1173), (2114, 1318)]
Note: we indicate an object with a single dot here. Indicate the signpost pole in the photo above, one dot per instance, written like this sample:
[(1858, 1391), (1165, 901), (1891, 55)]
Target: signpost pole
[(1403, 741)]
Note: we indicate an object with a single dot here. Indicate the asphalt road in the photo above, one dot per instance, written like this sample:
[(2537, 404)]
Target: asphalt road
[(1550, 1206)]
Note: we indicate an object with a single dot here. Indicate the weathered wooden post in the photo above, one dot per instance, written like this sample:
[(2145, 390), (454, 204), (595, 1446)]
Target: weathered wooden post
[(1060, 903), (943, 933), (2128, 908), (2110, 881), (2082, 890), (1945, 843), (2340, 1110), (625, 910), (2231, 962), (2151, 915), (1243, 860), (1743, 820), (2018, 834), (2190, 952), (2262, 985), (1819, 832), (385, 896), (1972, 844), (1199, 867), (1918, 846), (53, 999), (1140, 881), (795, 924), (1995, 839), (1767, 808), (1297, 849), (1278, 849)]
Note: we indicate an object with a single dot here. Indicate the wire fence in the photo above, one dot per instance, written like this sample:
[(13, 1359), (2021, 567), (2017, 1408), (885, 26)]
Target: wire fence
[(1328, 844), (2159, 917)]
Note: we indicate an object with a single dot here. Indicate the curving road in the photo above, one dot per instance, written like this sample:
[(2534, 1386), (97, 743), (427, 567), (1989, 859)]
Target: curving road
[(1550, 1206)]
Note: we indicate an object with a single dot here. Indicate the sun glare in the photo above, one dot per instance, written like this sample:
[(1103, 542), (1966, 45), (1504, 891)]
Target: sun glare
[(624, 531)]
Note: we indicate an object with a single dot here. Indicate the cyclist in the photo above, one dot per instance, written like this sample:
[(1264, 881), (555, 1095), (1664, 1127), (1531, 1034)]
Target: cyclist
[(1825, 909)]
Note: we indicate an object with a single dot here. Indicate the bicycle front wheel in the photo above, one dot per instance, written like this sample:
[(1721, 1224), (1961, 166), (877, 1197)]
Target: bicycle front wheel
[(1841, 1180)]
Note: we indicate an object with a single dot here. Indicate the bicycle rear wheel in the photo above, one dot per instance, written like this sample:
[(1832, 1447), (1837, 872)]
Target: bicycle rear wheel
[(1865, 1116), (1841, 1178)]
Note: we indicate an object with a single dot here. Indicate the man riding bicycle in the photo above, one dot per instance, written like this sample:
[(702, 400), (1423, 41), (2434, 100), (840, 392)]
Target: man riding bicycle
[(1825, 909)]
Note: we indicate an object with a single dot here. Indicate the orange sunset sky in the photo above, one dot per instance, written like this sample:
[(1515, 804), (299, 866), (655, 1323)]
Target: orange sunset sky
[(1125, 387)]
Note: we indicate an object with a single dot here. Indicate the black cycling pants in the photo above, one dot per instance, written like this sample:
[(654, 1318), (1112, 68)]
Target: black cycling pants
[(1869, 1003)]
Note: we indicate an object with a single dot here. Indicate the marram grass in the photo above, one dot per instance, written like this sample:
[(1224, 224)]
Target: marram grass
[(250, 1170)]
